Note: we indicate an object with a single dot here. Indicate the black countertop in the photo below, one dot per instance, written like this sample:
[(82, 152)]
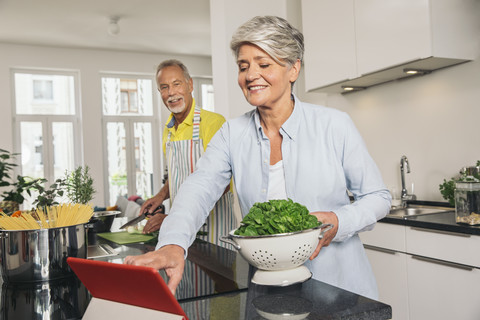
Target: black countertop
[(309, 300), (223, 291), (444, 221)]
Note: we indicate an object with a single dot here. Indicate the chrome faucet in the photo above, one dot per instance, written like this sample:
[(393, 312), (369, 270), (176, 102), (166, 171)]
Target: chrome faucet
[(405, 196)]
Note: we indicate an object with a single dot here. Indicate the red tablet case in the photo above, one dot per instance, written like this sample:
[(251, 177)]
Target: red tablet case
[(134, 285)]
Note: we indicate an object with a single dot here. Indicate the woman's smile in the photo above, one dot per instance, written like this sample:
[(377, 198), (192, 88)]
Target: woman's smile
[(264, 82), (256, 88)]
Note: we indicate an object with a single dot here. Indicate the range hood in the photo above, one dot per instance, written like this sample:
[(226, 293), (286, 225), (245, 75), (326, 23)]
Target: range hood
[(426, 65)]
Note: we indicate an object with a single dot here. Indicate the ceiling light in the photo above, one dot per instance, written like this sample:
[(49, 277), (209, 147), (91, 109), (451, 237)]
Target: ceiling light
[(418, 72), (113, 27)]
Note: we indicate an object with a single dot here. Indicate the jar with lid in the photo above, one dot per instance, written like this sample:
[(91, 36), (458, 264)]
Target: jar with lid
[(467, 202)]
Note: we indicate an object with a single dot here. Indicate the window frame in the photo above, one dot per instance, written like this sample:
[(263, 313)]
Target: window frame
[(128, 92), (197, 89), (128, 122), (47, 121)]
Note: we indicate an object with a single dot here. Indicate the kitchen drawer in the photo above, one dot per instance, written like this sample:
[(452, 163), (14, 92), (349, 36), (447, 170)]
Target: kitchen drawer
[(385, 235), (454, 247), (442, 291), (390, 270)]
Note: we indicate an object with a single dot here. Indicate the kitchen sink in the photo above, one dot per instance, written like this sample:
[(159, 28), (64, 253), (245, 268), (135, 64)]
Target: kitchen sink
[(415, 211)]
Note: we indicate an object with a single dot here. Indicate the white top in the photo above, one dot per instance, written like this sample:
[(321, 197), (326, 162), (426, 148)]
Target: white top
[(276, 182)]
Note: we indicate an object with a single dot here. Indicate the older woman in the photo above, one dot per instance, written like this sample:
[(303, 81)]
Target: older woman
[(284, 148)]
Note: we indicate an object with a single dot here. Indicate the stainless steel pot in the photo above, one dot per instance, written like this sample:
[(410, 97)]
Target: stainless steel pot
[(101, 221), (40, 255), (53, 300)]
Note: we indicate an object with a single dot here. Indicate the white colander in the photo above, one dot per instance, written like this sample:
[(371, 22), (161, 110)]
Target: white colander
[(276, 252)]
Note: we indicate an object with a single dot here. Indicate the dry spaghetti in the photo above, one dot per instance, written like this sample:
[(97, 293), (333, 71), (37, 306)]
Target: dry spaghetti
[(63, 215)]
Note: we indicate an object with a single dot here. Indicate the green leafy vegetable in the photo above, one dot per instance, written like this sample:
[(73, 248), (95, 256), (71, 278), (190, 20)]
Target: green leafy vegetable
[(276, 216)]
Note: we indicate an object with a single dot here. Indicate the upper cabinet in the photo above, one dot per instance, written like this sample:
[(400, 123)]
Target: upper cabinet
[(361, 43)]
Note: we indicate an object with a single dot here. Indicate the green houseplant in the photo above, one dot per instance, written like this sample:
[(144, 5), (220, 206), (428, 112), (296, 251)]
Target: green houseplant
[(6, 167), (49, 196), (79, 185), (21, 186), (447, 188), (11, 199)]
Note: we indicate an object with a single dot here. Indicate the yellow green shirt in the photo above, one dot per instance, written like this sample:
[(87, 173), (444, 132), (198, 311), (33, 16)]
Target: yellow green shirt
[(210, 122)]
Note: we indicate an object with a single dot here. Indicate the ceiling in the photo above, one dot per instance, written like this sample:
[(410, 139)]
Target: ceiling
[(154, 26)]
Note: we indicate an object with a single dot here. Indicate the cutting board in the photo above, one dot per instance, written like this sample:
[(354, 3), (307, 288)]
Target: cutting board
[(123, 237)]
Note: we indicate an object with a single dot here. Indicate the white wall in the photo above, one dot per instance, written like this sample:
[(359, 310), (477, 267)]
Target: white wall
[(89, 63), (433, 120)]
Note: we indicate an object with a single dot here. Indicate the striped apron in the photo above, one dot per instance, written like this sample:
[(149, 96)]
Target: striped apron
[(182, 157)]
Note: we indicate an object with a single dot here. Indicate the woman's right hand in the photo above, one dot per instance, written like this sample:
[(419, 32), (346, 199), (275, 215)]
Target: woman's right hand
[(170, 258)]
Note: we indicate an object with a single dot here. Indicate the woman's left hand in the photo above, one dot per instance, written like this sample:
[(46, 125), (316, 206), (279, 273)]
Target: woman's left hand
[(325, 218)]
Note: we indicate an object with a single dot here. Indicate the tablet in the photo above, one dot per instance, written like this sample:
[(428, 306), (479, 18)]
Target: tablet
[(134, 285)]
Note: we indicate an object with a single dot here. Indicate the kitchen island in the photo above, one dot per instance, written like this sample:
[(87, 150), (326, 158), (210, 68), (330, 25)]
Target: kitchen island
[(216, 285)]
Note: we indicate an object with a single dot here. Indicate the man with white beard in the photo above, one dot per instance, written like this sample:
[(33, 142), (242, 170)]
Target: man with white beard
[(186, 135)]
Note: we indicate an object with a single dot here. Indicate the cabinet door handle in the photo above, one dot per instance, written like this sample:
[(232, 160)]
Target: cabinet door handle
[(366, 246), (442, 232), (443, 263)]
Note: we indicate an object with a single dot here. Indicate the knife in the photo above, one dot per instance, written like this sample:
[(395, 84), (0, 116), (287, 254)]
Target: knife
[(134, 221)]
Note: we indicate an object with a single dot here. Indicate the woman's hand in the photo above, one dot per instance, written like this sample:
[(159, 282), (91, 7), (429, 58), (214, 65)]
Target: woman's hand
[(325, 218), (169, 258), (154, 223)]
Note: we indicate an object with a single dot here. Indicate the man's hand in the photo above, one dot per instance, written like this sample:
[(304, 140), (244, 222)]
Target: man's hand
[(151, 204), (154, 202), (170, 258), (325, 217), (154, 223)]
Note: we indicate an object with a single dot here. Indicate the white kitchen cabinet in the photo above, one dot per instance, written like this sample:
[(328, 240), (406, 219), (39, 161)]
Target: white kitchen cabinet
[(386, 236), (424, 273), (442, 291), (366, 42), (328, 28), (391, 32), (443, 245), (390, 269), (384, 247)]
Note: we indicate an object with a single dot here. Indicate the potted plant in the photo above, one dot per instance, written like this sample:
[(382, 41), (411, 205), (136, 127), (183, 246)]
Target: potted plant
[(79, 185), (48, 197), (6, 167), (16, 195), (447, 188), (6, 170)]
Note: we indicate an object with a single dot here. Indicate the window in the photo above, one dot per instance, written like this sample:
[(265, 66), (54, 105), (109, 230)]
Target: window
[(128, 95), (129, 137), (42, 89), (203, 92), (46, 123)]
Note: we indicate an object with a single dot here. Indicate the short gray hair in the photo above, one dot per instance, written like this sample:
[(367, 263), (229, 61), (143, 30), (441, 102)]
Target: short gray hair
[(172, 63), (274, 35)]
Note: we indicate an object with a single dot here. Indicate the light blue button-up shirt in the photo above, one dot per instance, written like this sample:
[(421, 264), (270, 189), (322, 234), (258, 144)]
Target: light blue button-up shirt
[(323, 156)]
